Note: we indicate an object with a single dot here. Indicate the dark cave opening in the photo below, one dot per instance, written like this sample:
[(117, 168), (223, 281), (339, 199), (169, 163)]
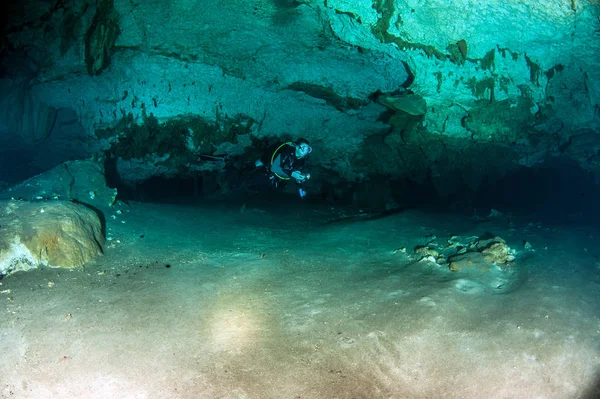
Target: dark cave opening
[(157, 189), (559, 191), (25, 157)]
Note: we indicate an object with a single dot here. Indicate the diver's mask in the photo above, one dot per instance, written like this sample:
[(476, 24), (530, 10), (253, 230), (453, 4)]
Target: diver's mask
[(303, 150)]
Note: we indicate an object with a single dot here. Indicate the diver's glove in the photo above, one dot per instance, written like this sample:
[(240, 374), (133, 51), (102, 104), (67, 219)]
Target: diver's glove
[(302, 193), (299, 176)]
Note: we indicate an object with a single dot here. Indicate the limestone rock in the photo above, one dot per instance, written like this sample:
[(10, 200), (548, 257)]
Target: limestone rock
[(101, 37), (468, 260), (584, 146), (452, 77), (480, 253), (197, 70), (497, 252), (25, 114), (135, 170), (82, 181), (412, 104), (480, 78), (49, 233), (426, 251)]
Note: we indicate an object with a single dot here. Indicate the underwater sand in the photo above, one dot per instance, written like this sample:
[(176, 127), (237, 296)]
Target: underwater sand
[(200, 301)]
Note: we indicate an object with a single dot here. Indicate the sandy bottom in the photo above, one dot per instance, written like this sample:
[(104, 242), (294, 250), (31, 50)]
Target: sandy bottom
[(211, 302)]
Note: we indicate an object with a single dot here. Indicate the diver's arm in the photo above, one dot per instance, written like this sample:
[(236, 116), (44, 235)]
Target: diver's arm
[(299, 176)]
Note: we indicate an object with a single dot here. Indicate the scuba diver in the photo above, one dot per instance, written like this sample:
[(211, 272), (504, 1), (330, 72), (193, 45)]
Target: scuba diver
[(279, 164), (283, 162)]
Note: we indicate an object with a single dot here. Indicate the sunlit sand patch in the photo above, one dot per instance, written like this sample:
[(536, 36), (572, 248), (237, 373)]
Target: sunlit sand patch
[(236, 325)]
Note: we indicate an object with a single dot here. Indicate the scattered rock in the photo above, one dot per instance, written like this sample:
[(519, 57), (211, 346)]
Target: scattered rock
[(426, 251), (495, 250), (469, 259), (480, 253), (401, 250), (498, 252)]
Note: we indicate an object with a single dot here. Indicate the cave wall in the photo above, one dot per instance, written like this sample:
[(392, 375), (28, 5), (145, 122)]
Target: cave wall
[(518, 79)]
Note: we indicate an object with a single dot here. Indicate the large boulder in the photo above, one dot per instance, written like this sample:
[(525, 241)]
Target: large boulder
[(48, 233), (82, 181)]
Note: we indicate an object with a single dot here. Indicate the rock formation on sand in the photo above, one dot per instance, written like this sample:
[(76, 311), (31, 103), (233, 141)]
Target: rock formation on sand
[(48, 233)]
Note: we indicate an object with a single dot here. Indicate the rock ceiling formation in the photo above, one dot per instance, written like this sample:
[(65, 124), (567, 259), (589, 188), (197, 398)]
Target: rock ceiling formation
[(380, 87)]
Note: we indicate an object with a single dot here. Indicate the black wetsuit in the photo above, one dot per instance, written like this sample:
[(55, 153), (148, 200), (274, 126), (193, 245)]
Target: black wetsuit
[(281, 161)]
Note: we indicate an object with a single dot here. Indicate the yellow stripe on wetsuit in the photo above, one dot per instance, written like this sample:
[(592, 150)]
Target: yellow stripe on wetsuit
[(273, 159)]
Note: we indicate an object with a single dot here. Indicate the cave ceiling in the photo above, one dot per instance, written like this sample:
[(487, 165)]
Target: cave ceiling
[(378, 86)]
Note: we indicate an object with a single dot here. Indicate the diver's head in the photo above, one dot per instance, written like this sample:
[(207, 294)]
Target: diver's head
[(302, 148)]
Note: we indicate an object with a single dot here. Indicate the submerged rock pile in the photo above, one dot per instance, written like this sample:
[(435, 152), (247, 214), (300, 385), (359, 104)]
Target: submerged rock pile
[(480, 253)]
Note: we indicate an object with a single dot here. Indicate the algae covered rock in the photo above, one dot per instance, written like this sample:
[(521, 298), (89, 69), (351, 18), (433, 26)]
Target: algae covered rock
[(48, 233)]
